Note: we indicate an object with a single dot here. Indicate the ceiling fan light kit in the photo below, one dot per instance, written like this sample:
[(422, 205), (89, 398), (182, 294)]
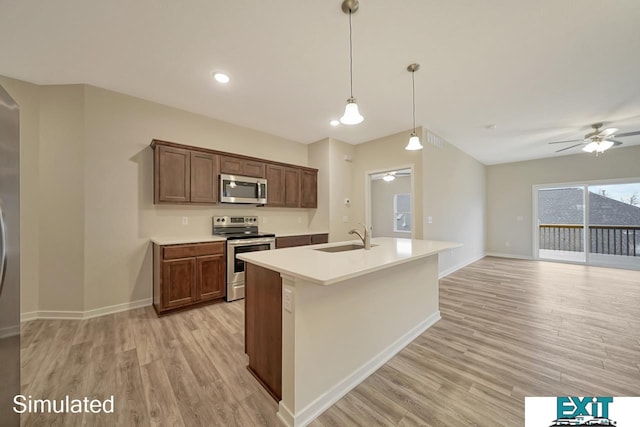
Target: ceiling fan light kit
[(597, 141)]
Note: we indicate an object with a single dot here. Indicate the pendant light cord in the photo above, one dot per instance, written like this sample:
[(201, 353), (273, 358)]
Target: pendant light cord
[(350, 56), (413, 97)]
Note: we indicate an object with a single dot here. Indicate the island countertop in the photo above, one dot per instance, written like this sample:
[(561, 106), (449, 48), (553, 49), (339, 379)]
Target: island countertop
[(325, 268)]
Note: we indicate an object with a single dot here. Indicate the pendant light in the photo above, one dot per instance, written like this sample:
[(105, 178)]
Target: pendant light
[(351, 114), (414, 140)]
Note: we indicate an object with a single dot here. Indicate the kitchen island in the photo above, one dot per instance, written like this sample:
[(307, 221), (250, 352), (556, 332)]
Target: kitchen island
[(318, 320)]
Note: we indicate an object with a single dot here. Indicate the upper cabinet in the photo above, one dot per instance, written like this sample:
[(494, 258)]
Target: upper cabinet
[(184, 174), (239, 166), (309, 189)]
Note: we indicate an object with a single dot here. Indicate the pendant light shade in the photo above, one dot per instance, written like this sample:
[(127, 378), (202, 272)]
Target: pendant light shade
[(414, 140), (351, 115)]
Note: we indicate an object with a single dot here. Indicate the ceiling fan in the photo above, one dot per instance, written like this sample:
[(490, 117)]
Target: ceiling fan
[(598, 140)]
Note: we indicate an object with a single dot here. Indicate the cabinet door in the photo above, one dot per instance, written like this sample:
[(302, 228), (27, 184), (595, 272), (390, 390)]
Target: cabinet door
[(172, 175), (292, 188), (253, 168), (243, 167), (309, 189), (204, 177), (231, 165), (275, 185), (211, 277), (178, 282)]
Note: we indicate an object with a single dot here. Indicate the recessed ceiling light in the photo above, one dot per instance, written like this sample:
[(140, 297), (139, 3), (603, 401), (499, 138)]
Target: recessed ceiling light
[(221, 77), (491, 126), (334, 122)]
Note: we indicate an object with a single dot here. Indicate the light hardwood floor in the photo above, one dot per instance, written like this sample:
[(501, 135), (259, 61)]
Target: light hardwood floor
[(509, 329)]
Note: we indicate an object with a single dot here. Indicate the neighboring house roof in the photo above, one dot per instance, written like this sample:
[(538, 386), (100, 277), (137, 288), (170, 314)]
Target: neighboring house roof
[(564, 206)]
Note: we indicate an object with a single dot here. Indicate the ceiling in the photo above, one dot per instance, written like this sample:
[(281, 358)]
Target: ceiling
[(539, 70)]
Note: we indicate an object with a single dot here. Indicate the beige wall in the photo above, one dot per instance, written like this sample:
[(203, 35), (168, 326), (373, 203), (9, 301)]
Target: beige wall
[(28, 98), (454, 197), (386, 153), (87, 175), (509, 191), (319, 158), (382, 218)]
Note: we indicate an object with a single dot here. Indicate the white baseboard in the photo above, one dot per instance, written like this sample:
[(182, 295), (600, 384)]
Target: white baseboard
[(501, 255), (77, 315), (322, 403), (455, 268), (9, 331)]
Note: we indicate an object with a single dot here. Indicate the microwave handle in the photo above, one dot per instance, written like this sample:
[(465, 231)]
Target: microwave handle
[(259, 191)]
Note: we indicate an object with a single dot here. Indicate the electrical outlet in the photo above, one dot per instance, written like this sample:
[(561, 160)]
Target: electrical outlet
[(430, 220), (287, 299), (185, 220), (345, 219)]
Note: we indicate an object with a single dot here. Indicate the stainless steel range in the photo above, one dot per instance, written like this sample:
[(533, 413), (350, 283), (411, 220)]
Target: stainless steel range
[(242, 236)]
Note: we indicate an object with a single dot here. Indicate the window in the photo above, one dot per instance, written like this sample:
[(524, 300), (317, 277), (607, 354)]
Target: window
[(402, 213)]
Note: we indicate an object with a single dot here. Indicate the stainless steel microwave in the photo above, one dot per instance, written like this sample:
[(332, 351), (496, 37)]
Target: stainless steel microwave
[(243, 189)]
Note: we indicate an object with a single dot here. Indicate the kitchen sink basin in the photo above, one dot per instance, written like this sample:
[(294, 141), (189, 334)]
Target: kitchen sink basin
[(342, 248)]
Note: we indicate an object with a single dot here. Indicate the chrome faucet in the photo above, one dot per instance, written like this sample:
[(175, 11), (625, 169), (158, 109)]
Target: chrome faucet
[(366, 239)]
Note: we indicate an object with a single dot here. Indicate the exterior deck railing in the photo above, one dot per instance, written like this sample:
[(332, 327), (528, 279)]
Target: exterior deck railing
[(603, 239)]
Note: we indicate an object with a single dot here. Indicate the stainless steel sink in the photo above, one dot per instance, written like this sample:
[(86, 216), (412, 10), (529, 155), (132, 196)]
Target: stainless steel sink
[(343, 248)]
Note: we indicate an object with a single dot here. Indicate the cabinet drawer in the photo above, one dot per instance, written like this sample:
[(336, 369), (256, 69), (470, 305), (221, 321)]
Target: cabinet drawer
[(291, 241), (187, 251), (319, 238)]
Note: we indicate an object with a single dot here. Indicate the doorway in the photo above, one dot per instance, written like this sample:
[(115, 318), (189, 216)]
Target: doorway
[(595, 223), (390, 202)]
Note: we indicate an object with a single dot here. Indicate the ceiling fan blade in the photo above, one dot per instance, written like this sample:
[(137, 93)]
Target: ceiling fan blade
[(562, 142), (615, 143), (606, 132), (567, 148), (620, 135)]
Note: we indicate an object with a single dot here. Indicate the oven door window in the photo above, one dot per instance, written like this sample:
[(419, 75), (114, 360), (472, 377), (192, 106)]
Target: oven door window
[(238, 264)]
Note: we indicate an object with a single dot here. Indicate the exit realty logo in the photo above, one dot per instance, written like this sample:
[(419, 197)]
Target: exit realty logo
[(582, 411)]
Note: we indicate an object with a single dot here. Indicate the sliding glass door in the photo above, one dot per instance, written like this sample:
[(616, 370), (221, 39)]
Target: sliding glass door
[(594, 223)]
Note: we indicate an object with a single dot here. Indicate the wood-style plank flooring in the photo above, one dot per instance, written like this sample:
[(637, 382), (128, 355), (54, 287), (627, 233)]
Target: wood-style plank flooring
[(509, 329)]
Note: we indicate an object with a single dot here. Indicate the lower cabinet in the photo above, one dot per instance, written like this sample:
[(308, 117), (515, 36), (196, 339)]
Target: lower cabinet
[(301, 240), (188, 275)]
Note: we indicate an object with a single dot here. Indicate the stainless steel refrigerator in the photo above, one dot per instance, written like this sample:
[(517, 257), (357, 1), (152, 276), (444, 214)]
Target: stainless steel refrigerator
[(9, 258)]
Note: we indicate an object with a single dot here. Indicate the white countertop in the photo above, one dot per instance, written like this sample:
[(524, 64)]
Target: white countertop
[(186, 240), (324, 268)]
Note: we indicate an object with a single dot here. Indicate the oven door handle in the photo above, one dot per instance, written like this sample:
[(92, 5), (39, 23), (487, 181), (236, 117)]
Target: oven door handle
[(247, 242)]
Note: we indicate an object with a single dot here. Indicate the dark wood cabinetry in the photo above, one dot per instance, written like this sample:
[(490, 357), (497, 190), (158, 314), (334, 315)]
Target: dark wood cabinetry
[(204, 177), (301, 240), (172, 175), (185, 174), (263, 327), (292, 187), (275, 185), (284, 186), (240, 166), (188, 275), (309, 189)]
